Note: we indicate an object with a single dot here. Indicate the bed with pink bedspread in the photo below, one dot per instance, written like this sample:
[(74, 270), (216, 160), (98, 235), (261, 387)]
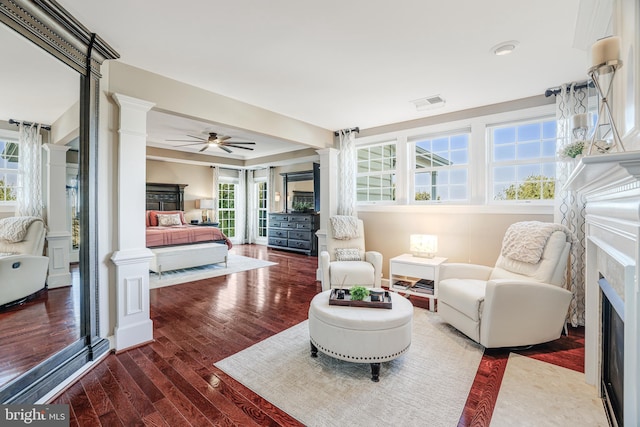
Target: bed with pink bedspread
[(168, 228)]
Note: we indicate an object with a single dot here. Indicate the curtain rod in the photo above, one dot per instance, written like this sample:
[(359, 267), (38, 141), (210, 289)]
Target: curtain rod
[(355, 129), (16, 122), (558, 89)]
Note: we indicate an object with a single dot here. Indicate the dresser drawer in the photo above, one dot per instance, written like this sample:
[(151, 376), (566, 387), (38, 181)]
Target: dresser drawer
[(288, 225), (304, 225), (300, 235), (277, 233), (278, 217), (275, 241), (275, 224), (295, 218), (299, 244)]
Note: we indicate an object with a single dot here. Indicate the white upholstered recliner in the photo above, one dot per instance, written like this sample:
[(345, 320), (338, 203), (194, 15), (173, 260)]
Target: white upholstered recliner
[(23, 269), (515, 303), (343, 274)]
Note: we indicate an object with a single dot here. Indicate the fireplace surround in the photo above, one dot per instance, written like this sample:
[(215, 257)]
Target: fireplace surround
[(610, 185)]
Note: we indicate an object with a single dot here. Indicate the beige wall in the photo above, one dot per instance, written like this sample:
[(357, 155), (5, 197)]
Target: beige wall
[(462, 237), (199, 180)]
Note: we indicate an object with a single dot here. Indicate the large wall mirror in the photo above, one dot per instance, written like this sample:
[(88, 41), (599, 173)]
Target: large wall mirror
[(51, 68)]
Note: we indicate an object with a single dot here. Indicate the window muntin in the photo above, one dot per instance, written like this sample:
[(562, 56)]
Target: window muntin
[(262, 209), (441, 167), (523, 160), (376, 176), (227, 208), (9, 158)]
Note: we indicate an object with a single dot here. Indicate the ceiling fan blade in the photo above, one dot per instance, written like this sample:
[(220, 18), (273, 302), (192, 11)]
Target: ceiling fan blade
[(240, 142), (225, 148), (223, 138), (197, 137), (187, 145), (236, 146), (203, 148)]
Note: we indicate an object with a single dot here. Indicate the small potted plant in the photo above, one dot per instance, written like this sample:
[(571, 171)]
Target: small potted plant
[(358, 293)]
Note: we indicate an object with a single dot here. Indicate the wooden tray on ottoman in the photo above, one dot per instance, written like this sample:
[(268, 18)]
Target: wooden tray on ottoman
[(333, 300)]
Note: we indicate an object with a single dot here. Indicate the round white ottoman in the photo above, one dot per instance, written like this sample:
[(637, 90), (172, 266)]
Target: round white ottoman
[(360, 334)]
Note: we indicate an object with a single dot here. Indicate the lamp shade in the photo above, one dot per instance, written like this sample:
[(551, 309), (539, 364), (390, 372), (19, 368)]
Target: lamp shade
[(207, 204), (423, 245)]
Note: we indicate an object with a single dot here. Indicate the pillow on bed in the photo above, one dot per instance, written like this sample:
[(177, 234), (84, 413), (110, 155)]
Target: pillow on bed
[(165, 220), (153, 217)]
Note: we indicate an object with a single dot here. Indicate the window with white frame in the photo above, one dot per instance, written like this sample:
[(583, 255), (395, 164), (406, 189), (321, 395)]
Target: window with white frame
[(9, 158), (522, 157), (376, 176), (227, 208), (441, 167)]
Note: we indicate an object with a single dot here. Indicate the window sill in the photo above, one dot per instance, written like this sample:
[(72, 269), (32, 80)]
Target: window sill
[(524, 208)]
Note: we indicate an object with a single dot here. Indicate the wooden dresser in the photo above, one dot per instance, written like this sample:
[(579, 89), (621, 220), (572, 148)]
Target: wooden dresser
[(294, 232)]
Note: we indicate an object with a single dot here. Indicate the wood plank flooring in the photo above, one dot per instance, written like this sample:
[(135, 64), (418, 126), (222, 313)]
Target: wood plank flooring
[(172, 381)]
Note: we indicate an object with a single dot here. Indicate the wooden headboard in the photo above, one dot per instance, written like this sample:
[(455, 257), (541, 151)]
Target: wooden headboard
[(165, 197)]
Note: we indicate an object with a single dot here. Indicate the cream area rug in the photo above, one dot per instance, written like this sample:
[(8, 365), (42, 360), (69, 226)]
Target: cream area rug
[(235, 264), (539, 394), (428, 385)]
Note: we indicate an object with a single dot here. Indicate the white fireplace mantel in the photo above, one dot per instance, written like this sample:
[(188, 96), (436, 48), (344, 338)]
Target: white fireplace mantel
[(610, 184)]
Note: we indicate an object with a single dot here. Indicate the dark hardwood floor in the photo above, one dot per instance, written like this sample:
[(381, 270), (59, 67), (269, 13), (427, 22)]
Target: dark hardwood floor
[(172, 381)]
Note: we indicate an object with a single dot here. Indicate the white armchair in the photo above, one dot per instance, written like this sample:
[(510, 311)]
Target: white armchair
[(343, 274), (513, 304), (23, 269)]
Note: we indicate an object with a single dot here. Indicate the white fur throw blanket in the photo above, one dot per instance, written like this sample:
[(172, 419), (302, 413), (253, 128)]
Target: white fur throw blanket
[(525, 241), (344, 227), (14, 229)]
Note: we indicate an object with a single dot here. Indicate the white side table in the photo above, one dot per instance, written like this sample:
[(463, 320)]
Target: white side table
[(407, 267)]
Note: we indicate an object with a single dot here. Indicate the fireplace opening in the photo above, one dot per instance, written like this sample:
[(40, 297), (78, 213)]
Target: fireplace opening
[(612, 353)]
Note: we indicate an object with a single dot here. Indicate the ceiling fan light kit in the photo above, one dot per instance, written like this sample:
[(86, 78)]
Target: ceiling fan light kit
[(214, 139)]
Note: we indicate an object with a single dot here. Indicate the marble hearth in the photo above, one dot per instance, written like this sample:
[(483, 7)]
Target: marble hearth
[(610, 184)]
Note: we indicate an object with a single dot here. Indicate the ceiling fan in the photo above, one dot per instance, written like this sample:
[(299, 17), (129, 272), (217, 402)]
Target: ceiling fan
[(221, 142)]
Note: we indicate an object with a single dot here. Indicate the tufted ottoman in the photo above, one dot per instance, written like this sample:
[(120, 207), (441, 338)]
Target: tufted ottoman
[(360, 334)]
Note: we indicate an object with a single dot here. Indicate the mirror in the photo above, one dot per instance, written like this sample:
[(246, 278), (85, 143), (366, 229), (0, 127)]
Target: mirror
[(40, 40), (36, 329), (302, 190)]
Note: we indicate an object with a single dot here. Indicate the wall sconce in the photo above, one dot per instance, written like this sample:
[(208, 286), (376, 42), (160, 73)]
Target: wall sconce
[(205, 205), (276, 199), (423, 245)]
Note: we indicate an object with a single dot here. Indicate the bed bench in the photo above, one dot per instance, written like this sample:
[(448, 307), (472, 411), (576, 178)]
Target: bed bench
[(187, 256)]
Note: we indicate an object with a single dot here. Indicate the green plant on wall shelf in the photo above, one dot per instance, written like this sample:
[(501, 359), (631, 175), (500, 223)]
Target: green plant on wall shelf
[(358, 293)]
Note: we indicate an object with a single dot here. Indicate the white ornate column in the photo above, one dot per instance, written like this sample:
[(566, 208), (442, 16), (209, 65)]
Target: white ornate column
[(328, 196), (133, 323), (58, 235)]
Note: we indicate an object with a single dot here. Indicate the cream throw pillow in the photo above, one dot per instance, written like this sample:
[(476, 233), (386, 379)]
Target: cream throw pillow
[(348, 254), (169, 220)]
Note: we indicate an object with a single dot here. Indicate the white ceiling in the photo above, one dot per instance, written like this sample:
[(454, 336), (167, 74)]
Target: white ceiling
[(340, 64)]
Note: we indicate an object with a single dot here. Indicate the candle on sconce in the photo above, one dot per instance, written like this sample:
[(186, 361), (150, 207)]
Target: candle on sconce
[(604, 50), (580, 121)]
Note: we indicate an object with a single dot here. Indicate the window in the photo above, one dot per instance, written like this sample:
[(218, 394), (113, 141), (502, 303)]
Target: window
[(441, 167), (227, 208), (8, 170), (262, 209), (376, 177), (523, 160)]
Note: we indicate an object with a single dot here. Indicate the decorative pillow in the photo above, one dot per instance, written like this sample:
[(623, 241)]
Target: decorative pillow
[(348, 254), (344, 227), (153, 216), (169, 220)]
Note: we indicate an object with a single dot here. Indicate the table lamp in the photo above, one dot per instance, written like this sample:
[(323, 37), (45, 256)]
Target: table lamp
[(423, 245)]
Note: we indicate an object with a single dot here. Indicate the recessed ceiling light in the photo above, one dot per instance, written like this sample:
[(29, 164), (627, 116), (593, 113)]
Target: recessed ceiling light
[(505, 48), (428, 102)]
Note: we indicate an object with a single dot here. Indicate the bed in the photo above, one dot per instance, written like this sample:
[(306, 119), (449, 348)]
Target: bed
[(176, 244)]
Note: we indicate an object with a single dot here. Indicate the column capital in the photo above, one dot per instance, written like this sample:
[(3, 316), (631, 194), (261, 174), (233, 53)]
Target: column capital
[(128, 101)]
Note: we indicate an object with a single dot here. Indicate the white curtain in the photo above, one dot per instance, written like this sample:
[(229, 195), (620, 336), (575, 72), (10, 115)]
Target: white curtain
[(271, 187), (252, 208), (241, 207), (347, 173), (29, 195), (569, 205), (214, 191)]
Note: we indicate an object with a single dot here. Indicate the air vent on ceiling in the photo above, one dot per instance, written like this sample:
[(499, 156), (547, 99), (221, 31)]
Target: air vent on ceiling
[(428, 102)]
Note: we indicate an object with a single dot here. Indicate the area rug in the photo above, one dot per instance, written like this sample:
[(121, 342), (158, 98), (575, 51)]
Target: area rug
[(537, 394), (235, 264), (428, 385)]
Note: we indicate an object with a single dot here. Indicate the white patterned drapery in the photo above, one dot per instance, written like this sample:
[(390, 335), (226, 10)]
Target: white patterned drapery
[(569, 208), (271, 190), (252, 208), (347, 173), (29, 196), (241, 207)]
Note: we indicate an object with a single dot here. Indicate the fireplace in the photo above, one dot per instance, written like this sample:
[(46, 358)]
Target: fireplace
[(610, 185), (612, 375)]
